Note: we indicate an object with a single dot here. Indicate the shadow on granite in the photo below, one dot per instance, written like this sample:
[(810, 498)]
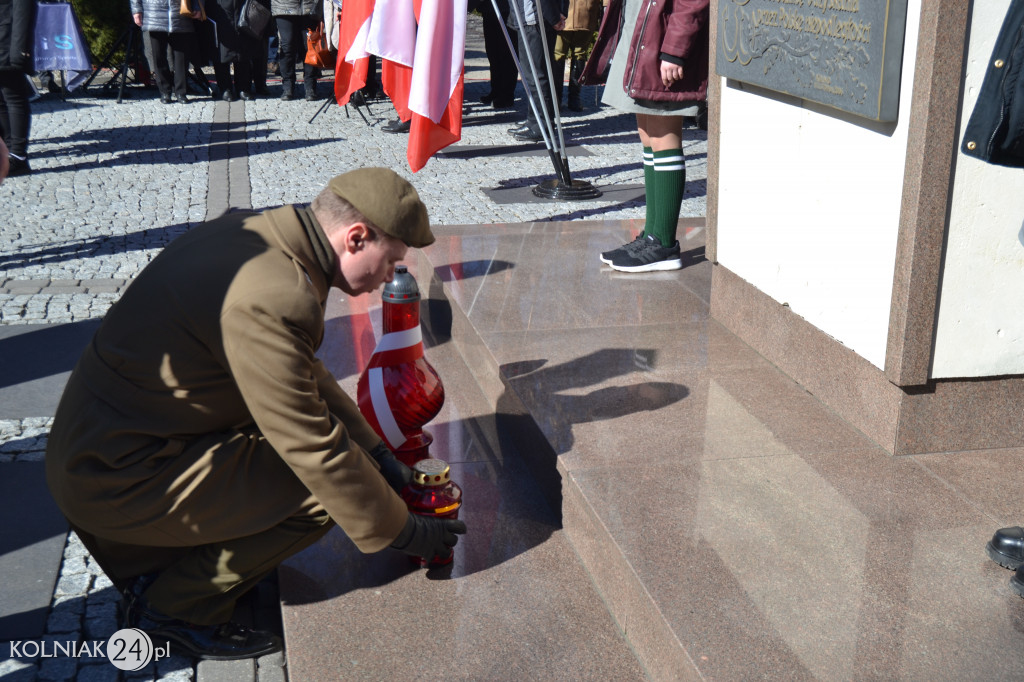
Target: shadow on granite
[(704, 516), (515, 602)]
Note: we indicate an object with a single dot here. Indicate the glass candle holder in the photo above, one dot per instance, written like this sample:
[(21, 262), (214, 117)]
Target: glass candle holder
[(399, 391), (432, 493)]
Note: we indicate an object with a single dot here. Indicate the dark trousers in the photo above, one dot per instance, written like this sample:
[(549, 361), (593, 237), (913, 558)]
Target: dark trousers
[(504, 74), (291, 31), (185, 51), (530, 41), (242, 79), (15, 114)]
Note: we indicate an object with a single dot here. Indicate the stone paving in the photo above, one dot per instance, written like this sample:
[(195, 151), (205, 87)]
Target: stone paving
[(114, 183)]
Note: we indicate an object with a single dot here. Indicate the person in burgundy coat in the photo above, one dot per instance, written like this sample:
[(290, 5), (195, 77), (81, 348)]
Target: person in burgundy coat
[(654, 56)]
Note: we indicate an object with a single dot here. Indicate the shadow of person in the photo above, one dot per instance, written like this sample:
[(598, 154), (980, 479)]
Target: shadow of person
[(541, 404)]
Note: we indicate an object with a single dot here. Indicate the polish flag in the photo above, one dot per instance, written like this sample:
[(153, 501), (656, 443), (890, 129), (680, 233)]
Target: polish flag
[(435, 97), (392, 37), (423, 71), (353, 59)]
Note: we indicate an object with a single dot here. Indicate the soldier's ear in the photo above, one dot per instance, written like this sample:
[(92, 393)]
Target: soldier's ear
[(356, 236)]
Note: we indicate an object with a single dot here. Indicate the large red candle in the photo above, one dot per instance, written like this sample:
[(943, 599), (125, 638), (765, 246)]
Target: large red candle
[(399, 391)]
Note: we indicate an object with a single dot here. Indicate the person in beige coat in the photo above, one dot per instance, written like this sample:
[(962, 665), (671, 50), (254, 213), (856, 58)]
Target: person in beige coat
[(573, 42), (200, 442)]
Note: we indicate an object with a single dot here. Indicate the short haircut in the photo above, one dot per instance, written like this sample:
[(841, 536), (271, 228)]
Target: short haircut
[(333, 212)]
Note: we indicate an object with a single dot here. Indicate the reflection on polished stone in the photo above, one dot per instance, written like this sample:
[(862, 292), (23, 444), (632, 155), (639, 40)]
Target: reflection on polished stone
[(648, 498)]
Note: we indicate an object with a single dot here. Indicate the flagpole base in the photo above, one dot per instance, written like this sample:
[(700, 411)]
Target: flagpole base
[(577, 190)]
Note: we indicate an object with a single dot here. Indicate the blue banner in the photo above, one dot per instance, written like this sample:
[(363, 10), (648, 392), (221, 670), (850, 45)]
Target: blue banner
[(59, 42)]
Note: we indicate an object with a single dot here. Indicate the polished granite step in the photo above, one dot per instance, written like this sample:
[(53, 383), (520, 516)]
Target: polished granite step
[(515, 603), (650, 486)]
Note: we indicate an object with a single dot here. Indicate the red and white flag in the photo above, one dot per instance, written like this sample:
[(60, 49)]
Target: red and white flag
[(422, 69), (435, 97), (392, 37), (353, 59)]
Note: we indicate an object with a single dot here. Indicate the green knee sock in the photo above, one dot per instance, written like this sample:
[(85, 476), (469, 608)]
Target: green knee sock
[(649, 191), (669, 178)]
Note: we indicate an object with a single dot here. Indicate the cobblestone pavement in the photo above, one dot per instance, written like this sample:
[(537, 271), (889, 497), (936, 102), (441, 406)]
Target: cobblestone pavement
[(114, 183)]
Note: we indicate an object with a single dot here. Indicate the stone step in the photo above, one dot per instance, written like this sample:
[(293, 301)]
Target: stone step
[(515, 603), (734, 527)]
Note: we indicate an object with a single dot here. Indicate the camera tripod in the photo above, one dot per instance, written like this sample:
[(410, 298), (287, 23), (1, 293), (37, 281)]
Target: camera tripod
[(131, 39)]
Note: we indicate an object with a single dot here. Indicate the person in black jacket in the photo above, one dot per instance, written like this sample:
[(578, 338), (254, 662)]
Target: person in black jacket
[(995, 131), (236, 47), (17, 28), (294, 18)]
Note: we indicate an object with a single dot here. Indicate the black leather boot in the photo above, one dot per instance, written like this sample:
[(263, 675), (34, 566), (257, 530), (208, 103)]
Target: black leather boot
[(224, 642), (558, 69), (1006, 548), (1017, 581), (575, 70), (397, 126)]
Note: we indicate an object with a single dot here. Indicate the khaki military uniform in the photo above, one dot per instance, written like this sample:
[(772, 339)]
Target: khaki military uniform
[(199, 437)]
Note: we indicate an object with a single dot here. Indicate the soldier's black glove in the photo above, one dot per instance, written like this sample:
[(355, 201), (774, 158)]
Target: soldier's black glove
[(428, 537), (395, 473)]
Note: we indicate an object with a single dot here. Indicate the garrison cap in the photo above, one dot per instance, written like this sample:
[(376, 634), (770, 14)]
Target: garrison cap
[(388, 201)]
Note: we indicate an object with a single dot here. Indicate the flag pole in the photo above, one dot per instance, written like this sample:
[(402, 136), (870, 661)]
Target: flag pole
[(543, 122), (563, 187), (554, 96)]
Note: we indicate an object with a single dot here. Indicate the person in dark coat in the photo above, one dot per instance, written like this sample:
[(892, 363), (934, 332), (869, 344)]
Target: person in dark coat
[(530, 17), (165, 26), (294, 18), (17, 29), (500, 62), (238, 50), (654, 56)]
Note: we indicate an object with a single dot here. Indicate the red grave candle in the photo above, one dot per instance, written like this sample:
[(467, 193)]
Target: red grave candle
[(433, 493), (399, 391)]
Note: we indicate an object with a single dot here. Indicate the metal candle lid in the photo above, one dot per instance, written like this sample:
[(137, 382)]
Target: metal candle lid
[(401, 289), (430, 472)]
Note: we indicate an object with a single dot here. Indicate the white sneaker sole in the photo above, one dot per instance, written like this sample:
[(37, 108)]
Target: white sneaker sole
[(674, 264)]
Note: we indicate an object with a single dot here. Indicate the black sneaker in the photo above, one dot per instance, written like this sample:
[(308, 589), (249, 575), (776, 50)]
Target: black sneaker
[(649, 256), (17, 167), (608, 256)]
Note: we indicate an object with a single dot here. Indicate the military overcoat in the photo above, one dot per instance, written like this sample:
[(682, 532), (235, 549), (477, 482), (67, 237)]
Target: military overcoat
[(200, 413)]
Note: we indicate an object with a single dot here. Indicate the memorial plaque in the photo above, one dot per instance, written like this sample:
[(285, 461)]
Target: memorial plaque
[(845, 54)]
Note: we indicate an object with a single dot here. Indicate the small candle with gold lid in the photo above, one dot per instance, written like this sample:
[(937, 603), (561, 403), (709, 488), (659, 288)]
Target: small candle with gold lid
[(432, 493)]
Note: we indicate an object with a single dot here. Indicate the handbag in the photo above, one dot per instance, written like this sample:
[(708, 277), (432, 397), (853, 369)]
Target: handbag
[(186, 8), (253, 18), (318, 51)]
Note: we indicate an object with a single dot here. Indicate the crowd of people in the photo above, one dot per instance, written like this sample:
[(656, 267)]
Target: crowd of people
[(209, 34)]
